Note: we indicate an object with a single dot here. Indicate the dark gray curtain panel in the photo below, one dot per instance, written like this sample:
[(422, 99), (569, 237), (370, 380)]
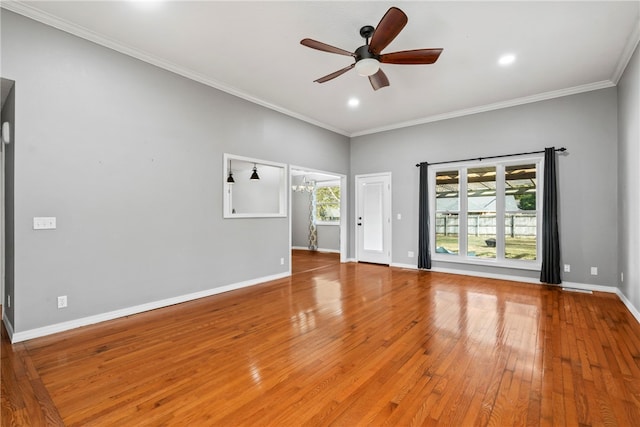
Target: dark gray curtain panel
[(424, 253), (550, 272)]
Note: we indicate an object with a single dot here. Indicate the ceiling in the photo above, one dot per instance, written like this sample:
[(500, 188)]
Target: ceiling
[(252, 50)]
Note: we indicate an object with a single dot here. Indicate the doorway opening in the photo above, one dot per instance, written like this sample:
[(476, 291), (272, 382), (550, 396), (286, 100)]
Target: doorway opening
[(318, 215)]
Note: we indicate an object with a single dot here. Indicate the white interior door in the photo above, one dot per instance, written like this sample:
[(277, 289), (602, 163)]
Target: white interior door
[(373, 218)]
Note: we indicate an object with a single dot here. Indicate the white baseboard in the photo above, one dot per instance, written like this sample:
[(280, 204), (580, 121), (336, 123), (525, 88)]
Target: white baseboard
[(486, 275), (304, 248), (90, 320), (593, 288), (400, 265)]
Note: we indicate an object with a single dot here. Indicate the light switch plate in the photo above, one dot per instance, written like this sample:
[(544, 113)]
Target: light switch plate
[(44, 223)]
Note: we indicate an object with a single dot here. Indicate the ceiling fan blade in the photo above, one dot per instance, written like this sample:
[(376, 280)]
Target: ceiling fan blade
[(379, 80), (389, 27), (314, 44), (417, 56), (334, 74)]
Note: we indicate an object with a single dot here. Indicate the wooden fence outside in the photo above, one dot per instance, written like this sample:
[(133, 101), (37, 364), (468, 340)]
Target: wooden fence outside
[(515, 225)]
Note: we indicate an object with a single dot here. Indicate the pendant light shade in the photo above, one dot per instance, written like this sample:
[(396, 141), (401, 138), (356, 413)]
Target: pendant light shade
[(230, 179), (254, 175)]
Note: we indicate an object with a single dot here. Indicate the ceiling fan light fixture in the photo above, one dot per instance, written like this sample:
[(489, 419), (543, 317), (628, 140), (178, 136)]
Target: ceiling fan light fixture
[(369, 56), (367, 66)]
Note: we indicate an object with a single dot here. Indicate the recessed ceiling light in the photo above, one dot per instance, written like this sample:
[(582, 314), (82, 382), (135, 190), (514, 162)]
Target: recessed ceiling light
[(147, 4), (353, 102), (507, 59)]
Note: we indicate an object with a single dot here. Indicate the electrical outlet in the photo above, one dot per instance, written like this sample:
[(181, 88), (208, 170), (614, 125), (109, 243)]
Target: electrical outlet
[(567, 268), (9, 301), (62, 301), (410, 254), (281, 261), (594, 271), (621, 277)]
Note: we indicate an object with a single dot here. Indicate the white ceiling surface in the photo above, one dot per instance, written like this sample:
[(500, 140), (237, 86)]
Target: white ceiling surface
[(252, 49)]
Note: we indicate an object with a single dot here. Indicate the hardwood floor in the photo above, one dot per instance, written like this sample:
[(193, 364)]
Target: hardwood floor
[(303, 260), (341, 344)]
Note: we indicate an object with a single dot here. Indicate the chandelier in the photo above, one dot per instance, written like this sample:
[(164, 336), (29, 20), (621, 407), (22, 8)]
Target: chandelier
[(305, 186)]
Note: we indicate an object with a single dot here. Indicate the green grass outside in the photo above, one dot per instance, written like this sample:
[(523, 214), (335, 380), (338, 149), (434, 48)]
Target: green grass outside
[(515, 247)]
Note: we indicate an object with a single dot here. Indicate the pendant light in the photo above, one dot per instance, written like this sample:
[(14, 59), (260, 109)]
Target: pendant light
[(304, 187), (230, 179), (254, 175)]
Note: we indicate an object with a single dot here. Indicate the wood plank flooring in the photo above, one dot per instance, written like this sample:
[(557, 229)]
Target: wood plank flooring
[(341, 344), (304, 261)]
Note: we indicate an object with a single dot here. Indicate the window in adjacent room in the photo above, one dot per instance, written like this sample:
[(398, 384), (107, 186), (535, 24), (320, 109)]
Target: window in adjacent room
[(328, 202)]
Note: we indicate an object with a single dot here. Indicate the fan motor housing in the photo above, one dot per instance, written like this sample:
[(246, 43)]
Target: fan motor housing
[(363, 52)]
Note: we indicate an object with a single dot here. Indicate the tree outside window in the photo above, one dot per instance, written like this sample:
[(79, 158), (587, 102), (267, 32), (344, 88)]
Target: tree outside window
[(327, 203)]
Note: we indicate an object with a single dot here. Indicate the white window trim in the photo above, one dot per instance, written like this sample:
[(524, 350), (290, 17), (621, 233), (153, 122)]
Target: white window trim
[(461, 257)]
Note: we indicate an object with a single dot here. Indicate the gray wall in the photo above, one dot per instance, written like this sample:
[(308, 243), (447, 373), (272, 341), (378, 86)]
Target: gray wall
[(585, 123), (300, 219), (328, 235), (129, 157), (629, 179)]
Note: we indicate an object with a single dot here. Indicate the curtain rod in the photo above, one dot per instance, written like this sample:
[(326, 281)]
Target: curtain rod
[(562, 149)]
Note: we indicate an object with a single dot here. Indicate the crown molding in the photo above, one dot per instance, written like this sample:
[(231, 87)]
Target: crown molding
[(84, 33), (490, 107), (47, 19), (627, 53)]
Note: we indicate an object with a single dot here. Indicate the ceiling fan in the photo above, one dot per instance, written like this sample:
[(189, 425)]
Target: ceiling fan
[(368, 57)]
